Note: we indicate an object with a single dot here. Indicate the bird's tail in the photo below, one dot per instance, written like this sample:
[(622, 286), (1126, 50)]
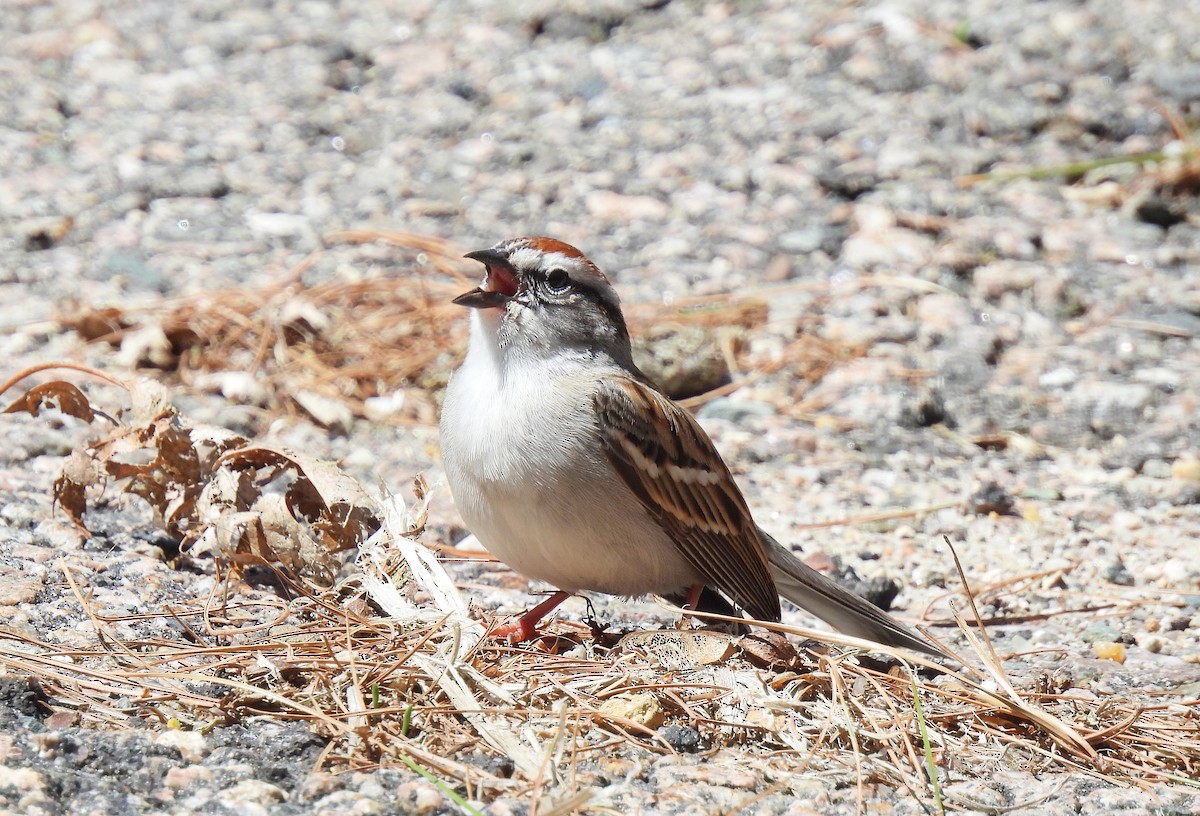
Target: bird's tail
[(839, 607)]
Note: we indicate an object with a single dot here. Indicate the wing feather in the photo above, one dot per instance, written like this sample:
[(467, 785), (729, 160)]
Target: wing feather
[(672, 466)]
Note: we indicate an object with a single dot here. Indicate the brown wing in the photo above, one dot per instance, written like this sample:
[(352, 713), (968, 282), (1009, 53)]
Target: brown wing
[(671, 465)]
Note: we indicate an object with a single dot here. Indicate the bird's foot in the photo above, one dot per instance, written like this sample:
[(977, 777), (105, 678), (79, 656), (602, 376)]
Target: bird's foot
[(514, 631), (524, 627)]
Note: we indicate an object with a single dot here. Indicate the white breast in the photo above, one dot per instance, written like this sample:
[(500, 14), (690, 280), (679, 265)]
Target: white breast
[(521, 457)]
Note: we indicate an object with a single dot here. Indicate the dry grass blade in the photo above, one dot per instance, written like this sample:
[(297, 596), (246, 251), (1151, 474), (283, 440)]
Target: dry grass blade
[(61, 364), (421, 683), (1066, 736), (374, 346), (1161, 190), (962, 702)]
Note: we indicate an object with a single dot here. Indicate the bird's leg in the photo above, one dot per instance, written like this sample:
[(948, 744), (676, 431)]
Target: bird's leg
[(525, 627), (692, 603)]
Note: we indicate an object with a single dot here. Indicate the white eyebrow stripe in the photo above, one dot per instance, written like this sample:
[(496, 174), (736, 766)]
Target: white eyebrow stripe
[(528, 258)]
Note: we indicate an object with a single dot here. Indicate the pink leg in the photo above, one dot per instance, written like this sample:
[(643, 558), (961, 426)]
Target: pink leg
[(525, 627), (693, 598)]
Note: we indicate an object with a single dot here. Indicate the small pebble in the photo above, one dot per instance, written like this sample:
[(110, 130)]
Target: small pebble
[(1117, 573), (1187, 469), (683, 738)]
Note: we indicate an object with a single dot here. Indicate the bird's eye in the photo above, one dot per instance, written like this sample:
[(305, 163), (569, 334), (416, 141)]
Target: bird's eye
[(558, 280)]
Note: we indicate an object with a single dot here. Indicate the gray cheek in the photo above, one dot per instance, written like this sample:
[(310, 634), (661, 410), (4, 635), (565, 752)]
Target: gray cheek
[(577, 324), (566, 326)]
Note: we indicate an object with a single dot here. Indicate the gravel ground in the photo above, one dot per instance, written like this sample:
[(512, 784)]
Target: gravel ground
[(155, 149)]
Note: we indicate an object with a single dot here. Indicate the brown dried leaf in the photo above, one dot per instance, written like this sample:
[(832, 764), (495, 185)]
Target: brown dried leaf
[(211, 442), (57, 394), (267, 533), (228, 491), (159, 457), (681, 649), (97, 324), (174, 478), (177, 454), (70, 489), (334, 503), (322, 511), (770, 650), (212, 491), (287, 541), (229, 536)]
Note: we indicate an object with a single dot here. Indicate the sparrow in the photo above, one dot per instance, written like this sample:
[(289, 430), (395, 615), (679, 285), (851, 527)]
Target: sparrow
[(573, 468)]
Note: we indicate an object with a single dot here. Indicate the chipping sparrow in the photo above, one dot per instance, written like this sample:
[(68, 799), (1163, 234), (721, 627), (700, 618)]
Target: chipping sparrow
[(572, 468)]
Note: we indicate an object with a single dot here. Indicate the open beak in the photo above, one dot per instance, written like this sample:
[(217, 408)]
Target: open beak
[(500, 286)]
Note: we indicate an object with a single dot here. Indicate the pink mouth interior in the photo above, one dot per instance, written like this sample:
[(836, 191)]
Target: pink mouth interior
[(501, 280)]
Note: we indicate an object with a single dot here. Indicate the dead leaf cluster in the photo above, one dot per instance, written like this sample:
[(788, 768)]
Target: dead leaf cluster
[(209, 487)]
